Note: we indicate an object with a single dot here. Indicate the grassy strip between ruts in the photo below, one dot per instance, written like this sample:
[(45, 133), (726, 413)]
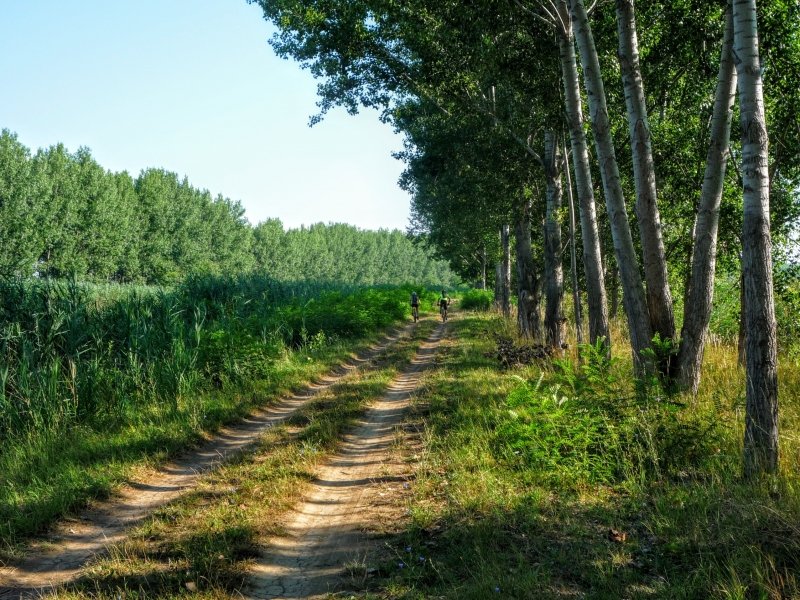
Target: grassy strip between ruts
[(526, 490), (49, 475), (202, 544)]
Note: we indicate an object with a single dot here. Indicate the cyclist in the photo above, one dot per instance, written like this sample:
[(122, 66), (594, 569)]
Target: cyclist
[(444, 302), (414, 306)]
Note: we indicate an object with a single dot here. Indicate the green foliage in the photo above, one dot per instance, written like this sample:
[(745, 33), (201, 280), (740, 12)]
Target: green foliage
[(62, 215), (18, 188), (144, 367), (343, 315), (72, 352), (726, 314), (476, 300), (583, 424), (492, 523), (184, 230), (346, 255), (556, 436), (787, 304)]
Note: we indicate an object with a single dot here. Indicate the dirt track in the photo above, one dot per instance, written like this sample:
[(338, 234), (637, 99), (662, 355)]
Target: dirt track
[(325, 534), (60, 557)]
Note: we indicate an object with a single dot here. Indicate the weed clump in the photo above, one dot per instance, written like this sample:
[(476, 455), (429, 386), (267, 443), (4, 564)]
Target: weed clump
[(586, 424)]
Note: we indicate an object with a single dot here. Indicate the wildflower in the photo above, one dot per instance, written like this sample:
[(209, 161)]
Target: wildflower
[(401, 564)]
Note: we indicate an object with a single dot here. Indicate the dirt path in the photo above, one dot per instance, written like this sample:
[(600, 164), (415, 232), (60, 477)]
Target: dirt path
[(59, 558), (325, 534)]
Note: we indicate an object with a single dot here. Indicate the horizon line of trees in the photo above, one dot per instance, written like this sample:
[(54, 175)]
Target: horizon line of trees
[(63, 215)]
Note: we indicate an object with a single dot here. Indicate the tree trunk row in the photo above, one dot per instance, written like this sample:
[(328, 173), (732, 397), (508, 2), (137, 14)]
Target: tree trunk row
[(590, 237), (633, 293)]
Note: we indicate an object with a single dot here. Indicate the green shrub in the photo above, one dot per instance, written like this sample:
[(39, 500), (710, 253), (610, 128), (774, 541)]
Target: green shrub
[(476, 300), (584, 424), (555, 438)]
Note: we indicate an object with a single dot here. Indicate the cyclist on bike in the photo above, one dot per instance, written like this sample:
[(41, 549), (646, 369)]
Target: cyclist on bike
[(414, 306), (444, 302)]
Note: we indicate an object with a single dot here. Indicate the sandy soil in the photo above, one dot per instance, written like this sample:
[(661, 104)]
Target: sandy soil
[(329, 539), (58, 558)]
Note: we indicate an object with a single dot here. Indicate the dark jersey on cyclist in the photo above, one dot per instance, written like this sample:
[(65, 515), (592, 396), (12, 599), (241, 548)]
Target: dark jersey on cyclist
[(414, 299)]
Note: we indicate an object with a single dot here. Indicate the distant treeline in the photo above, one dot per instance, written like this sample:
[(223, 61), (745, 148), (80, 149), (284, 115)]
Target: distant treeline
[(63, 215), (343, 253)]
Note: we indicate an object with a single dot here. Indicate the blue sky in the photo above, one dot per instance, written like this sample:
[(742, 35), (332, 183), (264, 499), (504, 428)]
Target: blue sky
[(193, 86)]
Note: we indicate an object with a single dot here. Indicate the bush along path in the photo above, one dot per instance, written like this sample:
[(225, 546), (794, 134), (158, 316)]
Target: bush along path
[(59, 558)]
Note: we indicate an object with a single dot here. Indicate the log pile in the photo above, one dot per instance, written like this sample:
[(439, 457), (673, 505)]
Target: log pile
[(509, 354)]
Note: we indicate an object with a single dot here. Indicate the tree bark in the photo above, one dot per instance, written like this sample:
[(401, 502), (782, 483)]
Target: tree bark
[(700, 284), (483, 267), (590, 237), (505, 271), (633, 295), (553, 270), (498, 284), (528, 285), (742, 338), (761, 418), (659, 299), (576, 294), (614, 292)]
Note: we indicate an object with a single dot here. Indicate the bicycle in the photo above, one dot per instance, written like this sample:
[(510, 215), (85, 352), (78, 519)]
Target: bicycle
[(415, 312), (443, 310)]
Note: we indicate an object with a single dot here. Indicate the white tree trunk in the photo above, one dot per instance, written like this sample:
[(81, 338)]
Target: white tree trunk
[(633, 295), (614, 291), (592, 255), (505, 271), (659, 298), (553, 270), (700, 285), (483, 267), (576, 294), (761, 418)]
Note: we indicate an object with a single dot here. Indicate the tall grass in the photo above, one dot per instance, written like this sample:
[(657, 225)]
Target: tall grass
[(92, 377), (575, 480)]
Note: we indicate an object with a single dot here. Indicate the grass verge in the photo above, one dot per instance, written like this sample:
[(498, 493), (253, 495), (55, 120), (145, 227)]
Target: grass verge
[(549, 484)]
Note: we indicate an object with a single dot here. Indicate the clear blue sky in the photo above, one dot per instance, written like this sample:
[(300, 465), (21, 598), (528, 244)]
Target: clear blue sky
[(193, 86)]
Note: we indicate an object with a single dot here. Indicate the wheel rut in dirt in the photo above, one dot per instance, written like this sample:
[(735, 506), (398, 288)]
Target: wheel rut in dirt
[(325, 534), (59, 558)]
